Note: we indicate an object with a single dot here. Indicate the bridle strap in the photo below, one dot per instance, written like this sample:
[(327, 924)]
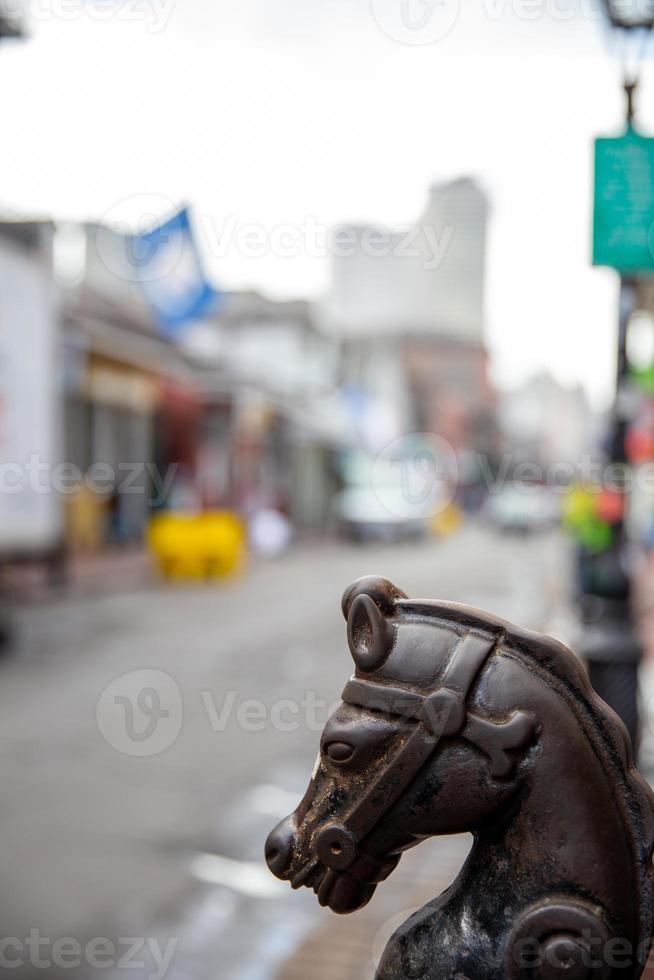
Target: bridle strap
[(444, 710), (440, 714), (395, 701), (390, 784)]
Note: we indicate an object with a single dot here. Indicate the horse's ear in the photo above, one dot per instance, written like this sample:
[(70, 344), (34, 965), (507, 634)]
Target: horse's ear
[(380, 590), (370, 635)]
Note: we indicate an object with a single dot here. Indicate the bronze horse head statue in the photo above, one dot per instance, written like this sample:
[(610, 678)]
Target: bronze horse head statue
[(456, 721)]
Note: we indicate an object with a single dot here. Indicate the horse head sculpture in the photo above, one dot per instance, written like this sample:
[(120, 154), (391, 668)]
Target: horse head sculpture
[(456, 721)]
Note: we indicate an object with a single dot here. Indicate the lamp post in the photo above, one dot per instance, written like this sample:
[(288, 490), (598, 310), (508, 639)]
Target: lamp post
[(630, 15), (9, 28), (610, 644), (11, 23)]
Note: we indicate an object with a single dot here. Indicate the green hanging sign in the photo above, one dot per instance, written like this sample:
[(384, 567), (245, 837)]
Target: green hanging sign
[(623, 227)]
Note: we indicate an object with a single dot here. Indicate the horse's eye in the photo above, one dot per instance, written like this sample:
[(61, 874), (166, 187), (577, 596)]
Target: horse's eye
[(339, 751)]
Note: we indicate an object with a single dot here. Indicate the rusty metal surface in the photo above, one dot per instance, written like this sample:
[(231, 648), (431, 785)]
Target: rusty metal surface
[(456, 721)]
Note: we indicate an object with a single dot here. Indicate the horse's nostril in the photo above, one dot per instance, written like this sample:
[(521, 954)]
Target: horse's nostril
[(279, 848)]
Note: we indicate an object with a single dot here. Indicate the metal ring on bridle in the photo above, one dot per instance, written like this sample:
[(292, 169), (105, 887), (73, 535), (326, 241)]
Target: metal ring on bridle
[(336, 847)]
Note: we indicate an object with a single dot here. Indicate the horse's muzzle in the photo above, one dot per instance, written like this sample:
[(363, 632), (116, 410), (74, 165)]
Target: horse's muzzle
[(280, 847)]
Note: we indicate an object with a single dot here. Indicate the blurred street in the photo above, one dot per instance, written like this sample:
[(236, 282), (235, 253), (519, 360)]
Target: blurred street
[(99, 841), (271, 321)]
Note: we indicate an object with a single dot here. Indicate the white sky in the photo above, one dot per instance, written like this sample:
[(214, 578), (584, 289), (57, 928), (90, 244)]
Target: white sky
[(275, 112)]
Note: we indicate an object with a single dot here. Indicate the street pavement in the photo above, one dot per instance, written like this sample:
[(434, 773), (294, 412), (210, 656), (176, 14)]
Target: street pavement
[(153, 735)]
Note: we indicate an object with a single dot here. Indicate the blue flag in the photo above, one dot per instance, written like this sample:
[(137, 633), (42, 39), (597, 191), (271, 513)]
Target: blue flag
[(167, 265)]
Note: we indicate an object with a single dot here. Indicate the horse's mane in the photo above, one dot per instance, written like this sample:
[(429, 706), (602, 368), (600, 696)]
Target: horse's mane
[(601, 726)]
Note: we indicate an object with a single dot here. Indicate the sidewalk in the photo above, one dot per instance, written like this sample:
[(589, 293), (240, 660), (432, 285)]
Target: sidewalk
[(116, 568), (112, 569)]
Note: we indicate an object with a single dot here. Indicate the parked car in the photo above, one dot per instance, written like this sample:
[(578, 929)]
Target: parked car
[(377, 504), (362, 516), (523, 508)]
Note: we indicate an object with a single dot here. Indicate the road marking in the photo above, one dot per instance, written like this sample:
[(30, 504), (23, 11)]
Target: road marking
[(247, 877)]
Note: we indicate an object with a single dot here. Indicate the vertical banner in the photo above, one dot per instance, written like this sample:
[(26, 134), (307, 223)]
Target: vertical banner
[(623, 225)]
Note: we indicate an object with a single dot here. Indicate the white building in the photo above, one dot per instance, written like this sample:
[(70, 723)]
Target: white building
[(425, 278), (408, 306), (548, 422)]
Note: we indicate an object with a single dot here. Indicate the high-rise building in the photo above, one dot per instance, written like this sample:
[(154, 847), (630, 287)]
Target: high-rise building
[(425, 278), (453, 301), (408, 305)]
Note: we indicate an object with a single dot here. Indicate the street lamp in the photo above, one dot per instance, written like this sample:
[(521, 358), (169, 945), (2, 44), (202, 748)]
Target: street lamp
[(10, 23), (630, 15), (610, 643), (8, 29)]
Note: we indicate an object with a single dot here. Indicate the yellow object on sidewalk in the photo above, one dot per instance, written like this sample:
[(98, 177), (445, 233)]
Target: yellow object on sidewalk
[(447, 521), (198, 546), (85, 521)]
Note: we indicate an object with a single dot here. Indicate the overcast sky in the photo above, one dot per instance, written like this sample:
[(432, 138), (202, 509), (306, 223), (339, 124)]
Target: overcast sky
[(310, 113)]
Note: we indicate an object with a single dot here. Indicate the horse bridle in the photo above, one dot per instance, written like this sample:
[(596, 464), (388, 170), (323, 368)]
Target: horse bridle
[(441, 714)]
